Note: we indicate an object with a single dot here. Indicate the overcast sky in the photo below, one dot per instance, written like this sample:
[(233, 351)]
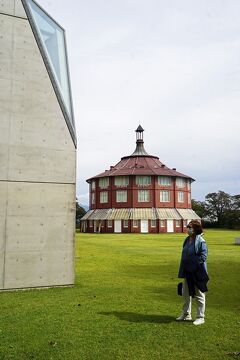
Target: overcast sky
[(174, 67)]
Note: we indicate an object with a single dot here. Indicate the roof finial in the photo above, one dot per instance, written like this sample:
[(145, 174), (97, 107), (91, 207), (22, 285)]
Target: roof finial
[(139, 133)]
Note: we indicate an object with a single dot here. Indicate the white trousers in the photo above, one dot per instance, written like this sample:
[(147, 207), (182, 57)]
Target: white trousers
[(187, 301)]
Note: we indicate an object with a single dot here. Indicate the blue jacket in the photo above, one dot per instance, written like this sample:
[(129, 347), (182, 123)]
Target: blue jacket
[(199, 257)]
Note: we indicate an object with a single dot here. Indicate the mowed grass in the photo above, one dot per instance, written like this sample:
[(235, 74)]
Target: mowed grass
[(124, 304)]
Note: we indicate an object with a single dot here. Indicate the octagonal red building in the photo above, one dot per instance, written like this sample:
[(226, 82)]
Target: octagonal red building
[(139, 194)]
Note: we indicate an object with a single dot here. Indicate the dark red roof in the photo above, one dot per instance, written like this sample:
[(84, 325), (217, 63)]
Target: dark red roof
[(140, 163)]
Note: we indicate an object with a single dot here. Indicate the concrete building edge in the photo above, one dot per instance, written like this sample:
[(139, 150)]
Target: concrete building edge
[(37, 288), (49, 71)]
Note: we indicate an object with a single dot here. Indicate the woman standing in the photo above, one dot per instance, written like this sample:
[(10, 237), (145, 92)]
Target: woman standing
[(193, 270)]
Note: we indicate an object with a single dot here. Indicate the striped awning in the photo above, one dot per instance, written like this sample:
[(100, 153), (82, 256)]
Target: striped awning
[(99, 214), (188, 214), (167, 213), (87, 215), (119, 214), (143, 214), (140, 214)]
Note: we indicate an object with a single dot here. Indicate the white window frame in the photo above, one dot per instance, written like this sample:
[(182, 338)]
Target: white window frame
[(189, 184), (180, 182), (164, 196), (93, 201), (178, 223), (103, 182), (93, 185), (109, 223), (189, 198), (121, 196), (121, 181), (143, 180), (181, 196), (153, 222), (143, 196), (135, 223), (164, 180), (103, 197), (125, 223), (162, 223)]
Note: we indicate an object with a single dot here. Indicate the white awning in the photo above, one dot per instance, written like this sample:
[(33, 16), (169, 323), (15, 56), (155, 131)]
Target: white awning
[(87, 215), (143, 214), (168, 213), (188, 214), (119, 214)]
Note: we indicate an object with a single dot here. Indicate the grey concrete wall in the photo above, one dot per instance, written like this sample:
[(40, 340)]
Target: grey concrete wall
[(37, 164)]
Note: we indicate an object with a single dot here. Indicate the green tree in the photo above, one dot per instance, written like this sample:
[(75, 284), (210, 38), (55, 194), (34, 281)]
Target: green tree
[(199, 208), (218, 205), (80, 212)]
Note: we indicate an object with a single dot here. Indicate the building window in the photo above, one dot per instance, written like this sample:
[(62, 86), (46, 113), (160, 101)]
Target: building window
[(143, 180), (164, 180), (103, 197), (143, 195), (93, 185), (109, 223), (189, 198), (93, 198), (180, 196), (180, 182), (121, 181), (135, 223), (162, 223), (104, 182), (178, 223), (153, 223), (90, 223), (164, 196), (189, 184), (121, 196), (125, 223), (185, 222)]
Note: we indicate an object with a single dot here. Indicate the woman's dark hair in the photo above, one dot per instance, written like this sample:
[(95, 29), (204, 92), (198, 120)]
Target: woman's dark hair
[(197, 227)]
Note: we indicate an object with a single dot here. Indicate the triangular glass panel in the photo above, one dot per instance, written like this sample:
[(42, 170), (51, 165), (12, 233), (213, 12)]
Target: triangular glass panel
[(53, 44)]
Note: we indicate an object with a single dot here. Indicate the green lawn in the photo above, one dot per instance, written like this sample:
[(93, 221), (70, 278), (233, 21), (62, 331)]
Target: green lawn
[(124, 304)]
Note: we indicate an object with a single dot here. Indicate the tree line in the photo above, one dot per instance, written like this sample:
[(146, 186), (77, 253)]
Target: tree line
[(219, 210)]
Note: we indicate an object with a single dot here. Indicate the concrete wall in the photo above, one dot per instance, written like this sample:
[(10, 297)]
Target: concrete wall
[(37, 164)]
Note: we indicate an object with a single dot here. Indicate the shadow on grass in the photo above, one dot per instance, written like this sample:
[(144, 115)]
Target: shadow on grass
[(140, 318)]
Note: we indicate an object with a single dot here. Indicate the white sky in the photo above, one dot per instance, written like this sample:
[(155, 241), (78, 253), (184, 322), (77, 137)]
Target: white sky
[(174, 67)]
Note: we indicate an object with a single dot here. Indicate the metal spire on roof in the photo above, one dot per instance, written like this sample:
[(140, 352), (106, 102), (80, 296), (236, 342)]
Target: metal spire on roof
[(139, 151)]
